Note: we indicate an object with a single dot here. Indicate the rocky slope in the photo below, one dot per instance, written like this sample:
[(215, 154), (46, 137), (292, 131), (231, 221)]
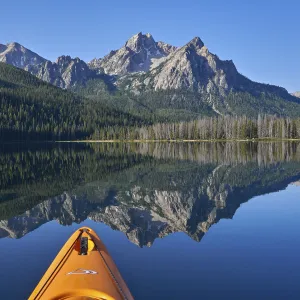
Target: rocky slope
[(189, 79), (66, 72), (138, 54), (193, 67), (18, 56)]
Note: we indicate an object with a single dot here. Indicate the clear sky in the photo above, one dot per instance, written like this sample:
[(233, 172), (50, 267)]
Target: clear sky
[(260, 36)]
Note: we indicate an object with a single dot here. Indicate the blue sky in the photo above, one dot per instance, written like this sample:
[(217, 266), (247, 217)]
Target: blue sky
[(261, 37)]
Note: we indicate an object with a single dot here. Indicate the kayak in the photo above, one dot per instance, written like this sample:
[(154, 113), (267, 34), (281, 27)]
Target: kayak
[(83, 269)]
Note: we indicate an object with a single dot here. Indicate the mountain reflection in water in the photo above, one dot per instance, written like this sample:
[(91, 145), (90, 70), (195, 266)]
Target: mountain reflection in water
[(145, 190)]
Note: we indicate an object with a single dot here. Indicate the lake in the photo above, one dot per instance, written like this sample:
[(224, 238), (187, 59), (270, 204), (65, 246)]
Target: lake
[(181, 220)]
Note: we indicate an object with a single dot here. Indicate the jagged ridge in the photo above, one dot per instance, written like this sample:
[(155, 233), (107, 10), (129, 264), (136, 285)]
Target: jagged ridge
[(136, 55), (143, 65)]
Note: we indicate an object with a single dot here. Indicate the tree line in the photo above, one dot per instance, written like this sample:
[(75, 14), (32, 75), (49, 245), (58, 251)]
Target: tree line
[(214, 128), (31, 109)]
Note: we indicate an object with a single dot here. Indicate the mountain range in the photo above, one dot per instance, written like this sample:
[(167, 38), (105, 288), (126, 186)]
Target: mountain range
[(159, 78)]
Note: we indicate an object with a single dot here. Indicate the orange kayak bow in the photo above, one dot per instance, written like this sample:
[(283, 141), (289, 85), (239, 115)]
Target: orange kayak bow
[(83, 269)]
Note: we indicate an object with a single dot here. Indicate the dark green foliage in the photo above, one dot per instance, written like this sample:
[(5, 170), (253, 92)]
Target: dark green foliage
[(152, 106), (30, 175), (244, 103), (31, 109), (217, 128), (166, 105)]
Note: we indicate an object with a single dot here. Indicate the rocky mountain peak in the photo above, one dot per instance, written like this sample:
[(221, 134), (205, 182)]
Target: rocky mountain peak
[(19, 56), (15, 45), (138, 54), (195, 42), (65, 72), (141, 42), (63, 59), (191, 67), (133, 41)]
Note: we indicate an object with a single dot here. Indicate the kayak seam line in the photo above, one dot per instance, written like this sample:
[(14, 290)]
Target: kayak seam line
[(41, 291), (111, 273)]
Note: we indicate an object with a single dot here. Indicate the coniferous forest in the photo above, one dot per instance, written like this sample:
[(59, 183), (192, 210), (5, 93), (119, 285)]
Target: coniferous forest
[(31, 109), (209, 128)]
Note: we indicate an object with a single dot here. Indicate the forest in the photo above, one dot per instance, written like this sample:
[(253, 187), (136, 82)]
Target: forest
[(208, 128), (32, 110)]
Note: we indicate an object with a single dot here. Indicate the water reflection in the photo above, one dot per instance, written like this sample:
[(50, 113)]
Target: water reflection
[(146, 191)]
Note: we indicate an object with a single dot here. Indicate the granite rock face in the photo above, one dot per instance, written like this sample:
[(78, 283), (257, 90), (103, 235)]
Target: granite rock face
[(66, 72), (136, 55), (192, 67), (143, 65), (19, 56), (165, 48)]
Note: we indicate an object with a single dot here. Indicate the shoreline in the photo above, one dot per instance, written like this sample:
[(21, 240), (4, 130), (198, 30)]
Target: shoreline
[(180, 141), (265, 140)]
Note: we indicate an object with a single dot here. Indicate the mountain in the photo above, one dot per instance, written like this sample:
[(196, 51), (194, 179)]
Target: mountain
[(19, 56), (195, 70), (191, 66), (66, 72), (159, 81), (138, 54), (188, 82)]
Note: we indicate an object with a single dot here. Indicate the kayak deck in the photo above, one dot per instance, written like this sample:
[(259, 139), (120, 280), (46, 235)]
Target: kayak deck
[(83, 269)]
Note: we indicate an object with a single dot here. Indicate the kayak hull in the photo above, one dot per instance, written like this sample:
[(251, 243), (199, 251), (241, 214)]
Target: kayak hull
[(83, 269)]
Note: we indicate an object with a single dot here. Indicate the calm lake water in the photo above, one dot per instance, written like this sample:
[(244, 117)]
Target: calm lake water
[(181, 221)]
